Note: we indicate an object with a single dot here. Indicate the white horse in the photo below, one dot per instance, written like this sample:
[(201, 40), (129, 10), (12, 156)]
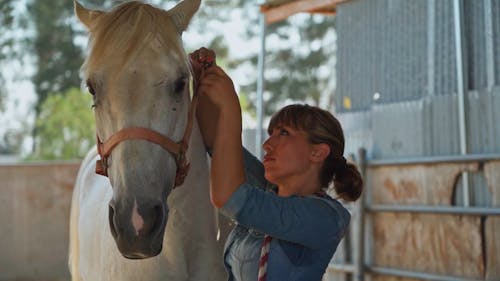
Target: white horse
[(132, 225)]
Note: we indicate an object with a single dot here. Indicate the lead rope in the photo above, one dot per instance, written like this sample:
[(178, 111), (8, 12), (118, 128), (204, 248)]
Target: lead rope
[(264, 256), (264, 250)]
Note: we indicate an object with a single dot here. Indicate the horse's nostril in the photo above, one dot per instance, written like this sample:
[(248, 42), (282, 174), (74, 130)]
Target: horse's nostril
[(157, 218), (152, 220), (148, 220), (111, 217)]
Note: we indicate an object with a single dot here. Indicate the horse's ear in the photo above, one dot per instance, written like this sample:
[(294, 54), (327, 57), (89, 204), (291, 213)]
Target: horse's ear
[(86, 16), (182, 13)]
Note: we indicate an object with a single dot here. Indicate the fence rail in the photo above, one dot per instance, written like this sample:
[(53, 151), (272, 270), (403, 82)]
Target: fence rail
[(363, 210)]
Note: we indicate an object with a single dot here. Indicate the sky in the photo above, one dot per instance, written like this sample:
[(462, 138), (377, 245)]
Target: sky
[(20, 91)]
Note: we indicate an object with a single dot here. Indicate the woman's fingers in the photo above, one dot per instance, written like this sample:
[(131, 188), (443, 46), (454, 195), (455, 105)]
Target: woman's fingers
[(205, 57), (201, 59)]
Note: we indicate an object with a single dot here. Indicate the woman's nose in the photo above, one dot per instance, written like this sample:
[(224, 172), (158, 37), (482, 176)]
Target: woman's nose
[(268, 144)]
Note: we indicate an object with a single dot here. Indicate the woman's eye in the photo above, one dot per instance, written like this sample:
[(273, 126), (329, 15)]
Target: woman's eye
[(284, 132)]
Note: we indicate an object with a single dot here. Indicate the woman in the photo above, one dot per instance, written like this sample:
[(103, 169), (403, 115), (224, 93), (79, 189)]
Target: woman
[(290, 233)]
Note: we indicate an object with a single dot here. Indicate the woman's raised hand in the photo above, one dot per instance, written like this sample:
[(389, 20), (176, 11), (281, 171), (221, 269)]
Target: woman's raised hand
[(212, 82)]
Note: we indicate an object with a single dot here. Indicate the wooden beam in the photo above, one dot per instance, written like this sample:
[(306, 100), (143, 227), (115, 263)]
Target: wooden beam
[(281, 12), (325, 12)]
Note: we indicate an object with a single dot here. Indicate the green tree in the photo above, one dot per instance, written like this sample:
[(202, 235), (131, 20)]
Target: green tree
[(6, 41), (58, 58), (12, 141), (297, 69), (11, 51), (6, 21), (66, 126)]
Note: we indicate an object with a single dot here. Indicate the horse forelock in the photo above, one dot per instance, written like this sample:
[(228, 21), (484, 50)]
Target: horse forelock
[(120, 34)]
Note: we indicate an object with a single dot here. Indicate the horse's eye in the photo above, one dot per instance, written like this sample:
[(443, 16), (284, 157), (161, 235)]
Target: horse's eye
[(180, 84), (90, 88)]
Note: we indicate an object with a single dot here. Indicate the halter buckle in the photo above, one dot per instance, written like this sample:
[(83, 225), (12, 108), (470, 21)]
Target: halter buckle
[(101, 168)]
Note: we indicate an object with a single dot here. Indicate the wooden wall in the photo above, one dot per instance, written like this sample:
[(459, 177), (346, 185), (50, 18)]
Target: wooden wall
[(34, 218), (465, 246)]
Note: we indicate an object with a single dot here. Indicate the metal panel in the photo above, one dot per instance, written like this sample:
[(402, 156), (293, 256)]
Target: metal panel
[(444, 128), (445, 63), (483, 118), (475, 41), (495, 105), (382, 49), (496, 34), (357, 128), (398, 130), (355, 65), (425, 128)]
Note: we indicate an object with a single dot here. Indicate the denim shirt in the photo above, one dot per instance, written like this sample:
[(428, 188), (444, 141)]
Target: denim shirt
[(306, 230)]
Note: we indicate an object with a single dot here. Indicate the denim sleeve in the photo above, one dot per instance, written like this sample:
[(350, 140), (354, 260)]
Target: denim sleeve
[(304, 220), (254, 170)]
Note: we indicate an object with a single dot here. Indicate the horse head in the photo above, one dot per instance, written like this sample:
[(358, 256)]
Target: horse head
[(138, 75)]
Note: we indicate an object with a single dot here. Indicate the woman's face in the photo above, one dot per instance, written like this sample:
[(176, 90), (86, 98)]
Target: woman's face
[(287, 154)]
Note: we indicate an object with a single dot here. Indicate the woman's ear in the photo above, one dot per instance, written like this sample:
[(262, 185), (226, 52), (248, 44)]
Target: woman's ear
[(319, 152)]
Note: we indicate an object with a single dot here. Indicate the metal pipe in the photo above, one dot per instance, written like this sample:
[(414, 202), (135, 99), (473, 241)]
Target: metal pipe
[(462, 88), (346, 268), (359, 225), (415, 275), (431, 47), (461, 61), (260, 87), (489, 44), (435, 160), (476, 211)]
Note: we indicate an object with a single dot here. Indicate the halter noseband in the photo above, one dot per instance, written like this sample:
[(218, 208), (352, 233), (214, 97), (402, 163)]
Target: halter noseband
[(177, 149)]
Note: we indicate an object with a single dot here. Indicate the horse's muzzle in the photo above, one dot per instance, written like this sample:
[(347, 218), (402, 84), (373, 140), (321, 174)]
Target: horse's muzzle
[(138, 229)]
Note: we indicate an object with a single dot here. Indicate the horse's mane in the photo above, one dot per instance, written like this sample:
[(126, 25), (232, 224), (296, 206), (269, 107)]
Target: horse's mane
[(118, 35)]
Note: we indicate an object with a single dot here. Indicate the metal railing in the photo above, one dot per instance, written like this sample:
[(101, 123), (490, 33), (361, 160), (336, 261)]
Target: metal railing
[(358, 268)]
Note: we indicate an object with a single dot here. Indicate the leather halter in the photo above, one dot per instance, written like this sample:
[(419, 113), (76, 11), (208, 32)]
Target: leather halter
[(177, 149)]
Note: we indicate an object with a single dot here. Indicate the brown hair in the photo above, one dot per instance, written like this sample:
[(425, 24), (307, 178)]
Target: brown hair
[(322, 127)]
